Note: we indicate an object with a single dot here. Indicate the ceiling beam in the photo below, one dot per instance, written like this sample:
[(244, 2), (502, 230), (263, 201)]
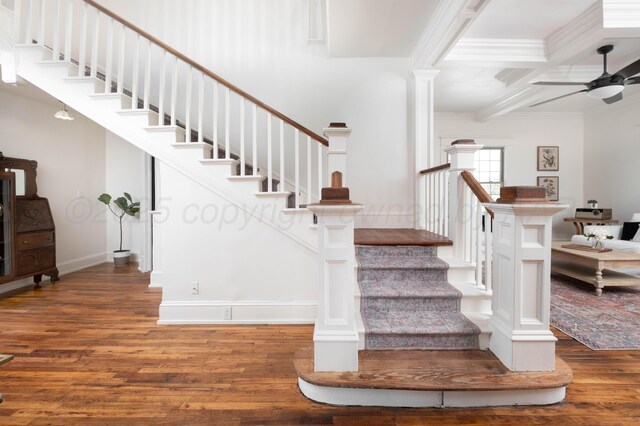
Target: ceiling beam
[(448, 24), (570, 44)]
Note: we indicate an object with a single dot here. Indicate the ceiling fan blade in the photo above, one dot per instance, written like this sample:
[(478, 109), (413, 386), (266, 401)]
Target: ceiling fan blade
[(556, 98), (559, 83), (614, 98), (634, 80), (630, 70)]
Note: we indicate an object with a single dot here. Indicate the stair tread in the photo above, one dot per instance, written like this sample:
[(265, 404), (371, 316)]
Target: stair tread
[(409, 289), (426, 323), (418, 263)]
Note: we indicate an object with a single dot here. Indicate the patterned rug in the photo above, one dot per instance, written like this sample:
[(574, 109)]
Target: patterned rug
[(607, 322)]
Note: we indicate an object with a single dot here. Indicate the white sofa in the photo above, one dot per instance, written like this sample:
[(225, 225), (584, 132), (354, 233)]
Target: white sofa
[(616, 243)]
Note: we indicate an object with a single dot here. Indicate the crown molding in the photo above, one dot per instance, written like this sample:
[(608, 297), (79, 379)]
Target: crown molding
[(498, 50), (521, 97), (509, 76), (621, 13), (449, 22)]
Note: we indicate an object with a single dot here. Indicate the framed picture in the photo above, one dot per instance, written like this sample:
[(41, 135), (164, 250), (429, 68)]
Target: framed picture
[(550, 184), (548, 160)]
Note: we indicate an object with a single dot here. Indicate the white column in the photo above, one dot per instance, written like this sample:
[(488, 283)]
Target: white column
[(338, 135), (421, 136), (335, 336), (520, 337), (462, 154)]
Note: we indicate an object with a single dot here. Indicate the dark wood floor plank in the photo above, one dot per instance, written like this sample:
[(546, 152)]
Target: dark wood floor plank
[(88, 351)]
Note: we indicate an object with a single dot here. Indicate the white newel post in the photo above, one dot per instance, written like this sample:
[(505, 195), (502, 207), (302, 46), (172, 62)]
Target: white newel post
[(462, 154), (420, 129), (335, 336), (338, 135), (521, 337)]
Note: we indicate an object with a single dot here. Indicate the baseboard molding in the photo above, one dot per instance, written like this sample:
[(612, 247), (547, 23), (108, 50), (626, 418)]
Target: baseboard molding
[(82, 263), (64, 268), (237, 312), (155, 279), (135, 257), (424, 399)]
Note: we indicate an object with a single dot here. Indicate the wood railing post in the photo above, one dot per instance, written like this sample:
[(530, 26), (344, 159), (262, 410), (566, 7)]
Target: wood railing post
[(338, 134), (462, 154), (335, 336), (520, 302)]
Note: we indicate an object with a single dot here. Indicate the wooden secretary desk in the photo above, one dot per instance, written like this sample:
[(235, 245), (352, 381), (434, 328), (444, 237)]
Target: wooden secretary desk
[(27, 231)]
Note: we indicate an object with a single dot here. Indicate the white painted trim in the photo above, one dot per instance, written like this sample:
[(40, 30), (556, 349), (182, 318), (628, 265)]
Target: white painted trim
[(243, 312), (423, 399), (498, 50), (370, 397), (447, 25), (621, 13)]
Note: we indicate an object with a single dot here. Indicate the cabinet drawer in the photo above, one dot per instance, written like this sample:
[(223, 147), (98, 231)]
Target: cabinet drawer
[(34, 260), (29, 241)]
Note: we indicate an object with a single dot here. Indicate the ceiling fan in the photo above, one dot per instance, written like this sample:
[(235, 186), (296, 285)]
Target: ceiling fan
[(607, 87)]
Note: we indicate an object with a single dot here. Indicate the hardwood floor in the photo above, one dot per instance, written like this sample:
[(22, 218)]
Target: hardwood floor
[(88, 351)]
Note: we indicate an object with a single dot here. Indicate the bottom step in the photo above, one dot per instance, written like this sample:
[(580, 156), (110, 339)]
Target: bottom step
[(418, 378)]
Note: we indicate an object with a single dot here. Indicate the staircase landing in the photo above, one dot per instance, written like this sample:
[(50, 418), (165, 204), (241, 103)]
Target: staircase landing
[(398, 237), (415, 378)]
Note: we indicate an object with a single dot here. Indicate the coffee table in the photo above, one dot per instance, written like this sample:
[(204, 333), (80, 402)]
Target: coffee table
[(593, 267)]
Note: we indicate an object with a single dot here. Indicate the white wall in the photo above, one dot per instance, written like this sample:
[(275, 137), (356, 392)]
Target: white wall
[(520, 134), (238, 262), (70, 156), (125, 173), (612, 150), (261, 46)]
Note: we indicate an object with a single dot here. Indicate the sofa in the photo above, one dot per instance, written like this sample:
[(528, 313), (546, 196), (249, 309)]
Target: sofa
[(631, 246)]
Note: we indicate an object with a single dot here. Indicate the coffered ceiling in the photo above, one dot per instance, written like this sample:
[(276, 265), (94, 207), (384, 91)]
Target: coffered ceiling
[(488, 52)]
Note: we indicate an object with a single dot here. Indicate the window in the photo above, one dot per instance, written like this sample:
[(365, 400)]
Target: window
[(489, 171)]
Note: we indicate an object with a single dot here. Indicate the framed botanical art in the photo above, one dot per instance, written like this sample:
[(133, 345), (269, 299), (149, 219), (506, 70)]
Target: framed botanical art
[(548, 160), (550, 184)]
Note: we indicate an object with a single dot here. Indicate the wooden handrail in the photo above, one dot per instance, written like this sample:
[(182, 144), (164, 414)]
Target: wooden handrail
[(477, 189), (435, 169), (209, 73)]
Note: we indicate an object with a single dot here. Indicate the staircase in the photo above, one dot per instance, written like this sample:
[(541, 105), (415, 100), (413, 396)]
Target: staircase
[(407, 303), (409, 296)]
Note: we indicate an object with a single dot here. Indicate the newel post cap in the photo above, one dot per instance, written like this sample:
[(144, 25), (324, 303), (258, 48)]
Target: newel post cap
[(336, 129)]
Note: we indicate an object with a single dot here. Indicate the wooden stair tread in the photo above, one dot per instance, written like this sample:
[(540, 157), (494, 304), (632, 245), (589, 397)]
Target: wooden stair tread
[(420, 370), (398, 237)]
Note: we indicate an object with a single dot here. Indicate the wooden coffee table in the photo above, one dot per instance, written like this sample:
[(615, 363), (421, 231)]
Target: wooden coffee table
[(593, 267)]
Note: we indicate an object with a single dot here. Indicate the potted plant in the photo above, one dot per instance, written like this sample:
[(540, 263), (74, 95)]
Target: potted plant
[(124, 206), (593, 204)]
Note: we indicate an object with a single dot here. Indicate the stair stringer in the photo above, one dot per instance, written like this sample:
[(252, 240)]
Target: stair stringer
[(50, 78), (475, 303)]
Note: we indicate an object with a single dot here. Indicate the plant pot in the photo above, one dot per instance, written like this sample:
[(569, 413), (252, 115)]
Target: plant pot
[(593, 205), (121, 257)]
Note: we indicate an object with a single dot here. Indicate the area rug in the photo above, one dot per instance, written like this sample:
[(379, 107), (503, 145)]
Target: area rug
[(607, 322)]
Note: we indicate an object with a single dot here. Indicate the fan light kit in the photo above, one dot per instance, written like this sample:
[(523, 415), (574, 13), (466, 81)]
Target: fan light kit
[(607, 87)]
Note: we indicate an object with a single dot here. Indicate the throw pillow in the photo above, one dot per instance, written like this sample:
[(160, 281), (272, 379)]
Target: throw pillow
[(629, 229)]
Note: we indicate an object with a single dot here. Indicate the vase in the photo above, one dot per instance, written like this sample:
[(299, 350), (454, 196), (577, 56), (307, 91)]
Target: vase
[(597, 244)]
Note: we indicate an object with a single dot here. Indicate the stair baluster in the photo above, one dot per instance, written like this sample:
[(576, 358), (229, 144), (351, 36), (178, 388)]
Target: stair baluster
[(107, 51)]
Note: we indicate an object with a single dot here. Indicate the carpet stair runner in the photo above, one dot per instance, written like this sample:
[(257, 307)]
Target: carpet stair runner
[(407, 303)]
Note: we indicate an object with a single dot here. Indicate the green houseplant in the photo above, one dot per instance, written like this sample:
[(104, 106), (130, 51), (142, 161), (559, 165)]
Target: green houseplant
[(124, 206), (593, 203)]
